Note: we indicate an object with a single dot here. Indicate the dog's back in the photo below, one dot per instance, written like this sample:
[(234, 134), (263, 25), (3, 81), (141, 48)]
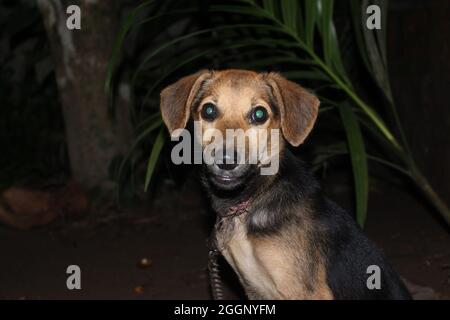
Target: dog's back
[(353, 261)]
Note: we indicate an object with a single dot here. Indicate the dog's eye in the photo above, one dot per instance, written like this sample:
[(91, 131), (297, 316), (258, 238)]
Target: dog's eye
[(258, 115), (209, 112)]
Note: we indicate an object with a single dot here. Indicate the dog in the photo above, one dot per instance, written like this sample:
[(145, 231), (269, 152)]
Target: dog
[(282, 236)]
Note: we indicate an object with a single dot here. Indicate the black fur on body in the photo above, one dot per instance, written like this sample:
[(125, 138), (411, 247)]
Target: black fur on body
[(292, 201)]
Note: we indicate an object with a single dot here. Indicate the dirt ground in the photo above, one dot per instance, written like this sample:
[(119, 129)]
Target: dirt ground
[(172, 237)]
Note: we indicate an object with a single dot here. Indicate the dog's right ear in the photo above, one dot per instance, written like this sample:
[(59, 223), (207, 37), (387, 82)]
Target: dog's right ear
[(298, 108), (176, 99)]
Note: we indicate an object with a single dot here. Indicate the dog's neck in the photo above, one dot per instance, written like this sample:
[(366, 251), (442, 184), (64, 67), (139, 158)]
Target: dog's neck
[(265, 201), (236, 210)]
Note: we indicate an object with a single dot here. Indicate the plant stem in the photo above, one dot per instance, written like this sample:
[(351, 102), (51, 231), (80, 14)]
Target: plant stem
[(390, 165), (428, 191), (372, 115)]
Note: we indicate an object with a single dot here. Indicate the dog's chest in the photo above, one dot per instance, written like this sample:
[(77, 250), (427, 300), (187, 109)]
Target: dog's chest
[(260, 266), (270, 267)]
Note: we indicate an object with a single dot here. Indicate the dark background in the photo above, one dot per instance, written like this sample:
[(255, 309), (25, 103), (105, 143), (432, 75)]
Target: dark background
[(171, 228), (418, 42)]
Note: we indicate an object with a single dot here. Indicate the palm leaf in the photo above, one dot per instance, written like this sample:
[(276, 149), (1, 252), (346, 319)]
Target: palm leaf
[(195, 34), (289, 12), (372, 44), (154, 156), (152, 124), (269, 5), (119, 43), (358, 157), (310, 21)]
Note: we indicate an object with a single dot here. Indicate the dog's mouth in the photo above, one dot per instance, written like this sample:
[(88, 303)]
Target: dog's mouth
[(228, 179), (226, 182)]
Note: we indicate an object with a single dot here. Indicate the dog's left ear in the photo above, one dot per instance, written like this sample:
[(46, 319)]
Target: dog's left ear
[(298, 108), (176, 100)]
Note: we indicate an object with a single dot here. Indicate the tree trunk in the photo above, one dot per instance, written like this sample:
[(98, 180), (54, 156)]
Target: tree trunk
[(81, 57)]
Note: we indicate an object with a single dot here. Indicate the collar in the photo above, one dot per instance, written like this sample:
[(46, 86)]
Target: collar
[(238, 209)]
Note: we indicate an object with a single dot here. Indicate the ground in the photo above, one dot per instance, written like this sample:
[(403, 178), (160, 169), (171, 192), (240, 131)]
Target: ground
[(172, 237)]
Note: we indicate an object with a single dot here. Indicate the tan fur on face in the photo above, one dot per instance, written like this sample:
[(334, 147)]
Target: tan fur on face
[(298, 108), (176, 100), (235, 92)]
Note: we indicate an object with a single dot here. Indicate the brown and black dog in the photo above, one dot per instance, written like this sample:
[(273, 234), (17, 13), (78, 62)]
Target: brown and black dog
[(281, 235)]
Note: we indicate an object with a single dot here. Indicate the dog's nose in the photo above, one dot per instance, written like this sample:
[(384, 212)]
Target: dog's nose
[(227, 166), (229, 163)]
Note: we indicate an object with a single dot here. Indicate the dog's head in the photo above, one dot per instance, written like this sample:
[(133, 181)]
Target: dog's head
[(240, 100)]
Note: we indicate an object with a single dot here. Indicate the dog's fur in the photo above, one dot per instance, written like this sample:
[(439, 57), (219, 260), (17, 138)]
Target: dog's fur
[(291, 242)]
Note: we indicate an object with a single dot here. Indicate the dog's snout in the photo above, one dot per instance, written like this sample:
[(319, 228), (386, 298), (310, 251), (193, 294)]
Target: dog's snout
[(228, 170), (229, 161)]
